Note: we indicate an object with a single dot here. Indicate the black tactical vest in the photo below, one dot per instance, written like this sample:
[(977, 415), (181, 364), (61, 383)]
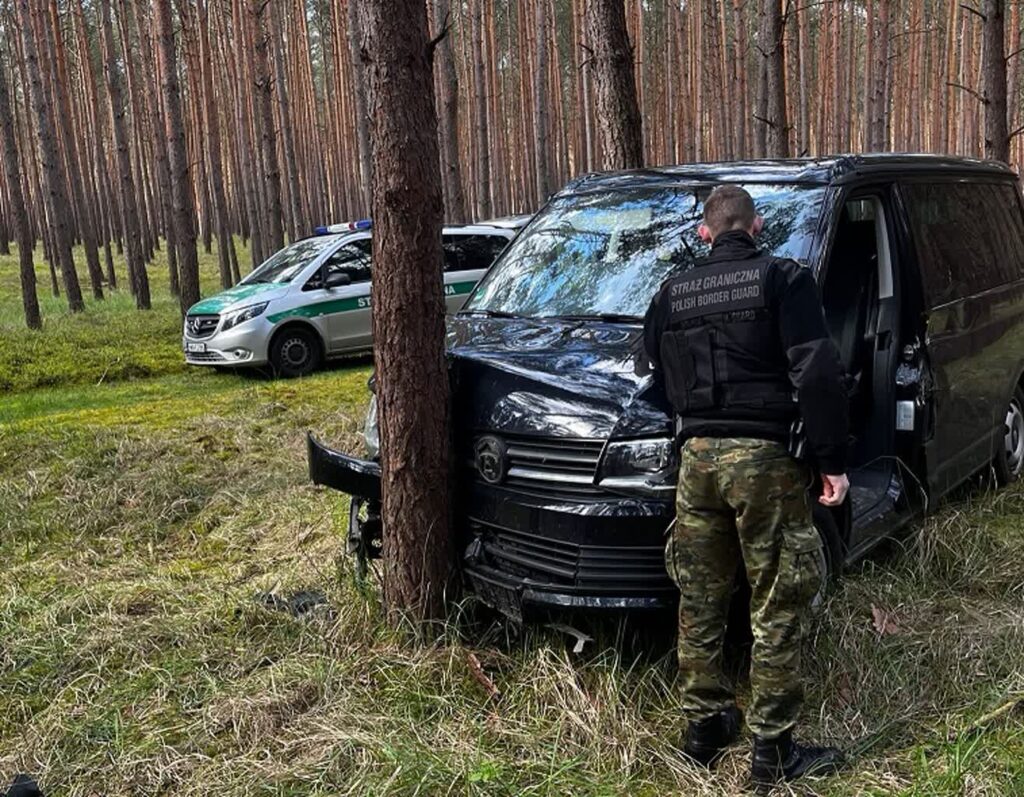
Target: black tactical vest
[(721, 351)]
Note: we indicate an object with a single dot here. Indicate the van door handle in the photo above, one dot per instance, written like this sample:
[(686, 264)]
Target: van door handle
[(884, 340)]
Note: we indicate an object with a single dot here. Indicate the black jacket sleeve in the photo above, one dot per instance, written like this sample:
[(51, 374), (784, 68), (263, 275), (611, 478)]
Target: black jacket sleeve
[(654, 326), (815, 370)]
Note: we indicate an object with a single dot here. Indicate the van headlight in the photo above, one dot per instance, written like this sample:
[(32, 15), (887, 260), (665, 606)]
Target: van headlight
[(646, 467), (237, 317), (371, 433)]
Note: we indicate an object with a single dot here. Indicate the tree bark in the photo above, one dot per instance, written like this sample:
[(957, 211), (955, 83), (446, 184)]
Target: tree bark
[(408, 316), (137, 277), (878, 122), (61, 86), (618, 113), (225, 243), (58, 210), (997, 135), (268, 137), (483, 139), (18, 210), (771, 44), (177, 155), (448, 116), (359, 85), (542, 162)]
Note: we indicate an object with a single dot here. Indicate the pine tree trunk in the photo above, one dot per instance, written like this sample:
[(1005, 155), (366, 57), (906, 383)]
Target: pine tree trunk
[(359, 85), (181, 185), (274, 233), (772, 42), (539, 74), (483, 142), (448, 115), (618, 111), (18, 209), (408, 309), (137, 277), (58, 210), (225, 243), (878, 108), (296, 223), (997, 136)]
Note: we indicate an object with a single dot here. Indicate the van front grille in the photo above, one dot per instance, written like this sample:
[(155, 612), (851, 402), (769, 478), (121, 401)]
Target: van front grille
[(557, 467), (201, 326), (203, 357)]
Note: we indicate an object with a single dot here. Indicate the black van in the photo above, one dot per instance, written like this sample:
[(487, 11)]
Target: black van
[(563, 437)]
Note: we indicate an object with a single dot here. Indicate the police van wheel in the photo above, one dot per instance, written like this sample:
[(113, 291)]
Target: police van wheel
[(1009, 462), (294, 352)]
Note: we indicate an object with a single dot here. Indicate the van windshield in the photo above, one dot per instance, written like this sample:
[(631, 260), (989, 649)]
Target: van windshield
[(285, 265), (605, 254)]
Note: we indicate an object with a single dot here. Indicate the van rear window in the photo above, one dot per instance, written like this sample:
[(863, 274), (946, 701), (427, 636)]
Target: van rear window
[(607, 253), (969, 236)]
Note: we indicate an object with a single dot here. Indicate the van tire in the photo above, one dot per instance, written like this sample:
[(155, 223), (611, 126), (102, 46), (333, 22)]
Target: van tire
[(1009, 462), (295, 351)]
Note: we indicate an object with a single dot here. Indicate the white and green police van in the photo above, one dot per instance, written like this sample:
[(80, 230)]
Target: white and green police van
[(311, 300)]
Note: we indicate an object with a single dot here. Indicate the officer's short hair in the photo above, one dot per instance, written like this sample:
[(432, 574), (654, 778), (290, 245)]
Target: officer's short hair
[(729, 207)]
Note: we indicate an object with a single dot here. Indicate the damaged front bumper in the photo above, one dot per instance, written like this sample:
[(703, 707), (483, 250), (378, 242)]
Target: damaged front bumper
[(514, 593), (359, 478), (356, 477)]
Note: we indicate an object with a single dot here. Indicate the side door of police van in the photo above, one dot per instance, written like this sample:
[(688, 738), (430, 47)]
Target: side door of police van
[(339, 297), (467, 256), (968, 238)]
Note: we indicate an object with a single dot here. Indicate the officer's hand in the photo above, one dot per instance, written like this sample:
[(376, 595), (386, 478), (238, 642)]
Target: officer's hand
[(833, 489)]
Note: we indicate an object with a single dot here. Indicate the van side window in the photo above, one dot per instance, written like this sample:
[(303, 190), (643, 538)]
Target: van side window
[(968, 236), (353, 259), (471, 252)]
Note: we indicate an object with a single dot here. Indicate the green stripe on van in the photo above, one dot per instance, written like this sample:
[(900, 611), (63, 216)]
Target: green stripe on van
[(318, 309), (332, 306)]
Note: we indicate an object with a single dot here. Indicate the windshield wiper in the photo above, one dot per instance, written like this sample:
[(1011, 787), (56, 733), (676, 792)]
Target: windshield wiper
[(616, 318), (490, 313)]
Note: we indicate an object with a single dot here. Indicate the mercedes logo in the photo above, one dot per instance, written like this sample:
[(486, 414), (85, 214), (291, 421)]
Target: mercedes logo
[(491, 457)]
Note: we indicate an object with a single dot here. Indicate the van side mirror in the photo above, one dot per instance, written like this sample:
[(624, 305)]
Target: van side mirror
[(337, 279)]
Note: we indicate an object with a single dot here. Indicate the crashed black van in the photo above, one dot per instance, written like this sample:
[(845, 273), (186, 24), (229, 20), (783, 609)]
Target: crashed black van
[(563, 438)]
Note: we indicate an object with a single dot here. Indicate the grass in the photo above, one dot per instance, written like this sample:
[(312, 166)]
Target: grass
[(141, 515)]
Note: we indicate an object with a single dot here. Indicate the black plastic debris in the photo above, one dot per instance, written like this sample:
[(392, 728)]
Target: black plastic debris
[(23, 786)]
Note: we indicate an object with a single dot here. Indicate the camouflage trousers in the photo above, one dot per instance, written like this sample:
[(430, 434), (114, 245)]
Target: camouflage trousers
[(743, 503)]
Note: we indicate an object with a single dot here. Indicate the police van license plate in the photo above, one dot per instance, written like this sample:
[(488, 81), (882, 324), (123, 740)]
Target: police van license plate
[(195, 348)]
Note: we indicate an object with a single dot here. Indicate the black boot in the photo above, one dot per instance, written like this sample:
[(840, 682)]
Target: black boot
[(782, 759), (707, 739)]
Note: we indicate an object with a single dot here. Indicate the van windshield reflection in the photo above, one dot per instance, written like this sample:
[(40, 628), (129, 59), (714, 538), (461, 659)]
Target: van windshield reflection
[(603, 255)]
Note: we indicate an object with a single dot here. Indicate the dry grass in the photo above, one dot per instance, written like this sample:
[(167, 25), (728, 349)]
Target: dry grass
[(138, 521)]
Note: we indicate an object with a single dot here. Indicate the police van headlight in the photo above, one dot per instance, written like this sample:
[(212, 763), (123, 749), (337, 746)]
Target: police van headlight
[(243, 315), (645, 467), (371, 433)]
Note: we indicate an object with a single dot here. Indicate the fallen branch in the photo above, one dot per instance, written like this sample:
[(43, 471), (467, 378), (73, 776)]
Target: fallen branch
[(987, 719), (482, 678)]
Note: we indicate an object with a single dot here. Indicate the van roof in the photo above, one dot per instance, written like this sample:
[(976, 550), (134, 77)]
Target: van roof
[(820, 171)]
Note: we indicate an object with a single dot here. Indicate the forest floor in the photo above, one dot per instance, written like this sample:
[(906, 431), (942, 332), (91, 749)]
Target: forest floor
[(145, 507)]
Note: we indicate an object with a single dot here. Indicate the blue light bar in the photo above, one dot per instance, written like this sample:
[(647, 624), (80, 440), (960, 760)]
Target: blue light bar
[(348, 226)]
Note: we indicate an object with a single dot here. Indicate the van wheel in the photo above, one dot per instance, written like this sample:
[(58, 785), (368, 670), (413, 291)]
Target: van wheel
[(831, 549), (1009, 463), (294, 352)]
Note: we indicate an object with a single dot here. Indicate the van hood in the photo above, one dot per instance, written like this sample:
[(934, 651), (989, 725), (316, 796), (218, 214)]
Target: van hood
[(237, 297), (550, 377)]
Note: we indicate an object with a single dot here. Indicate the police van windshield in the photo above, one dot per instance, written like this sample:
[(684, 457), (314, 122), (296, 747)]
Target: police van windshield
[(285, 266), (605, 254)]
